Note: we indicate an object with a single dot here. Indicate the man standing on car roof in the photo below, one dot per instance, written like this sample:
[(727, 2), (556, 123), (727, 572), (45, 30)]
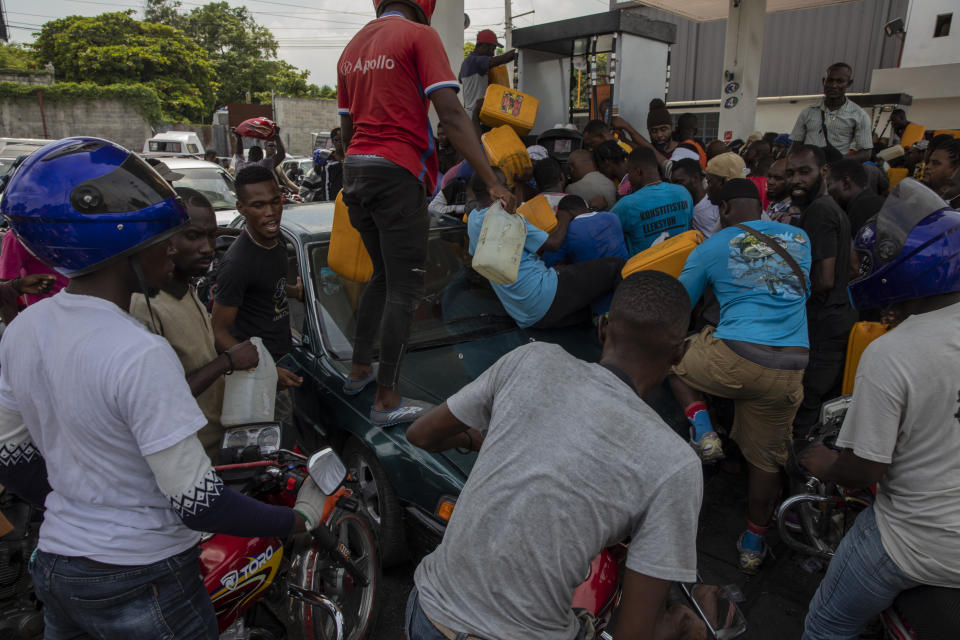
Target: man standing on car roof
[(387, 77)]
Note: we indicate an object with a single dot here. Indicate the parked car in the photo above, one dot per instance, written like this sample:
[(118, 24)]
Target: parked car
[(211, 180), (459, 330), (13, 148), (185, 143), (303, 164)]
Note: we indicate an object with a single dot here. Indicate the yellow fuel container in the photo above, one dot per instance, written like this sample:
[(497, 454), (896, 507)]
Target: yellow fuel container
[(540, 213), (862, 334), (912, 134), (347, 256), (896, 174), (669, 256), (504, 106), (499, 75), (505, 149)]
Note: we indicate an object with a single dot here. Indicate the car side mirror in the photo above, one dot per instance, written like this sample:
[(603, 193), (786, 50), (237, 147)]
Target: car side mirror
[(327, 470)]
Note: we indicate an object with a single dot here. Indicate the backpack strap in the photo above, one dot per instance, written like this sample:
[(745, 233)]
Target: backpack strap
[(780, 250)]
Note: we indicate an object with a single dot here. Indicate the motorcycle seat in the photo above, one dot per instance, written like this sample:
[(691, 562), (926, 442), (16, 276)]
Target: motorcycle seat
[(932, 613)]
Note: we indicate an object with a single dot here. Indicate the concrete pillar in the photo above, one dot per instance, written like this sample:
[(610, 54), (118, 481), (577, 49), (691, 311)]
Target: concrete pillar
[(448, 21), (741, 68)]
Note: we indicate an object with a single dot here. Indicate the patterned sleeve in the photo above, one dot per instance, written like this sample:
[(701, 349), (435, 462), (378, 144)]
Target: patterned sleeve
[(22, 469)]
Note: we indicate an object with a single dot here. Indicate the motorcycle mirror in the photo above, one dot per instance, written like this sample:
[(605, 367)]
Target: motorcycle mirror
[(327, 470)]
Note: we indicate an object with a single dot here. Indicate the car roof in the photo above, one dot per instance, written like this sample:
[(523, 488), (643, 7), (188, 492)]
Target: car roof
[(179, 162), (308, 218)]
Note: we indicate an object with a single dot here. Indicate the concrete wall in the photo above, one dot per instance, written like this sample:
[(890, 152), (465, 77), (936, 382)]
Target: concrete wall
[(26, 77), (920, 47), (21, 118), (300, 118), (546, 77)]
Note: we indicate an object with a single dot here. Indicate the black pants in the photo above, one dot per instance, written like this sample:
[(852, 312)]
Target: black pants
[(821, 380), (577, 286), (388, 207)]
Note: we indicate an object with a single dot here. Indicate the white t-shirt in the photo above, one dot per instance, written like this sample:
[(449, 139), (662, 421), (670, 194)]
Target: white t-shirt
[(905, 413), (706, 217), (98, 392)]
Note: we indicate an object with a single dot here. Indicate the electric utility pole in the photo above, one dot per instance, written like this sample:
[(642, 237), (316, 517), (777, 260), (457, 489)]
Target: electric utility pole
[(508, 24)]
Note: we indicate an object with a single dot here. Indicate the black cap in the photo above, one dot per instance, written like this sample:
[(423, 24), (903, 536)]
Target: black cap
[(738, 188)]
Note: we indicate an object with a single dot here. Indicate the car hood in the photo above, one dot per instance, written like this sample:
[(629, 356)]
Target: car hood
[(436, 373)]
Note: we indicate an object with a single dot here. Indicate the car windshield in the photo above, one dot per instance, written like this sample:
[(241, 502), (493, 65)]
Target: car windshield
[(213, 183), (5, 164), (458, 304)]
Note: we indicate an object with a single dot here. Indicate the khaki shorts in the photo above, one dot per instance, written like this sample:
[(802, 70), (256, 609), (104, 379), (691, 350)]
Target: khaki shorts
[(765, 400)]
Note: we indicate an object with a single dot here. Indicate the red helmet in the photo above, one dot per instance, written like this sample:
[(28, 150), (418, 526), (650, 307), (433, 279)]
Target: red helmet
[(262, 128), (424, 7)]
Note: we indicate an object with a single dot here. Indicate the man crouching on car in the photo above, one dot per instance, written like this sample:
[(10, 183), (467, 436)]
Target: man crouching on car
[(572, 461)]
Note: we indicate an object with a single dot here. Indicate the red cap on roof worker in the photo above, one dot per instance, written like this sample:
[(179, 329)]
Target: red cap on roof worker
[(387, 77), (473, 71)]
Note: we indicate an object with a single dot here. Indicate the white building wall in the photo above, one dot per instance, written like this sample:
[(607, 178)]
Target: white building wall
[(641, 77), (546, 77), (920, 48)]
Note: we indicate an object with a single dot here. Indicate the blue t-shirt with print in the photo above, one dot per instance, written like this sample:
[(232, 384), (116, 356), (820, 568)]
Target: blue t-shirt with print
[(761, 298), (653, 210), (591, 236), (529, 298)]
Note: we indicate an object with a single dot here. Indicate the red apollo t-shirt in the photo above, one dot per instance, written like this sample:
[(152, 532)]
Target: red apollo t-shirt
[(384, 79)]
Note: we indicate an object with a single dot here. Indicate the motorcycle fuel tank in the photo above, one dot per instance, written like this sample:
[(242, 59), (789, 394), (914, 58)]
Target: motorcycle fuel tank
[(599, 590), (236, 570)]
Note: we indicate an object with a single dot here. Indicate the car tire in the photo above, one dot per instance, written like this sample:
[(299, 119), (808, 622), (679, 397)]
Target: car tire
[(378, 501)]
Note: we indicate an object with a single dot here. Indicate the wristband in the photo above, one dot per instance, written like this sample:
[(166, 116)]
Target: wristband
[(230, 360)]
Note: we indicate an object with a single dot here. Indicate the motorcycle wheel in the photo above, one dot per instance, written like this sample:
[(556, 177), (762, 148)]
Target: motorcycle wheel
[(358, 604)]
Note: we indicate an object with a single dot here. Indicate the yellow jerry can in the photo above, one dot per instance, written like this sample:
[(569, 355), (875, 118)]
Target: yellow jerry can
[(347, 256)]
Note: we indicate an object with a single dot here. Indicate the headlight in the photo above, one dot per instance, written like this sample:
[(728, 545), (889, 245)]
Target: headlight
[(833, 411), (264, 437)]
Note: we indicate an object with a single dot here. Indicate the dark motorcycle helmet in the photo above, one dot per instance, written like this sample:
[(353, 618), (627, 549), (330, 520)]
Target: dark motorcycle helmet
[(78, 204), (909, 250)]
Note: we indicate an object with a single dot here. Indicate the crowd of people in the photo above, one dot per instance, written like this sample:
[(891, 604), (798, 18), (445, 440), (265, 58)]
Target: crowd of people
[(799, 236)]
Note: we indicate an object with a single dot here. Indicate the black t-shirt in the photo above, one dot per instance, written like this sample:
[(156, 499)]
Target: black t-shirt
[(252, 279), (829, 314), (861, 208)]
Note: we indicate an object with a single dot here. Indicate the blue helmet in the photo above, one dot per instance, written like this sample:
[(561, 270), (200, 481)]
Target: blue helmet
[(320, 157), (79, 203), (910, 250)]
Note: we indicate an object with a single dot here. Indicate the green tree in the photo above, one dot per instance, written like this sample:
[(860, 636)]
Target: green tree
[(114, 48), (468, 48), (16, 56), (242, 51)]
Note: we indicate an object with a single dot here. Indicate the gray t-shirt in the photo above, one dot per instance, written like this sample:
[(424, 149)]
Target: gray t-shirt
[(573, 461), (905, 413), (592, 185)]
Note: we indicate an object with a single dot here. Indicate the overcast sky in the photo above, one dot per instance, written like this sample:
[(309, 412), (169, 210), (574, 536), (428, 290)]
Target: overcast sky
[(311, 33)]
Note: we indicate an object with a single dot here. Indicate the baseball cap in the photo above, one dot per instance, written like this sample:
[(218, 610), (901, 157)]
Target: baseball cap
[(738, 188), (487, 37), (727, 165)]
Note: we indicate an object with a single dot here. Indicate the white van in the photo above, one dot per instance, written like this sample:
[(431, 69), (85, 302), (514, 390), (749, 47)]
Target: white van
[(178, 143)]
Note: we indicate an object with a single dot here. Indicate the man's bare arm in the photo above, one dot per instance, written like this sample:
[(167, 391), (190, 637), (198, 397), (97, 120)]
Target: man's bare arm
[(223, 318), (440, 430)]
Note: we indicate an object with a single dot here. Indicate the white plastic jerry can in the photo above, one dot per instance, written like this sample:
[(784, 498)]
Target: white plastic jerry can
[(249, 395), (500, 246)]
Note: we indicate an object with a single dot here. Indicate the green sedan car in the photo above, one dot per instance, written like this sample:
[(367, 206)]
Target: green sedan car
[(459, 329)]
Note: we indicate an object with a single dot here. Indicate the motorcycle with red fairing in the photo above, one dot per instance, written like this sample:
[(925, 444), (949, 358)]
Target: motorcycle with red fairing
[(321, 586)]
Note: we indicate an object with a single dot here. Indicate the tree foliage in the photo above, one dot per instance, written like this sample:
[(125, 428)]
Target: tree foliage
[(114, 48), (242, 51), (16, 56)]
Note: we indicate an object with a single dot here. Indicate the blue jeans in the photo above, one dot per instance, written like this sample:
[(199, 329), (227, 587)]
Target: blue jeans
[(165, 600), (861, 582), (419, 627)]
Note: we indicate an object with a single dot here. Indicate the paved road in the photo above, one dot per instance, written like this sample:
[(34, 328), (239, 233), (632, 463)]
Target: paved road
[(775, 601)]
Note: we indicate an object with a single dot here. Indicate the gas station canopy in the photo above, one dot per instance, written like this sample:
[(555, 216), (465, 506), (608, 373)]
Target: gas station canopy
[(706, 10)]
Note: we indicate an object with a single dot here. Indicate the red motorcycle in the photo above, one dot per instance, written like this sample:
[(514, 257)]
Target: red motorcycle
[(600, 595), (321, 586)]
